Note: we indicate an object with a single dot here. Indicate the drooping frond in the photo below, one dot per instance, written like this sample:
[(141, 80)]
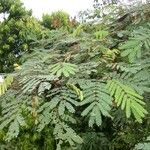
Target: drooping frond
[(130, 68), (61, 98), (12, 117), (97, 100), (64, 133), (139, 81), (63, 68), (128, 99), (139, 41), (61, 105), (39, 82)]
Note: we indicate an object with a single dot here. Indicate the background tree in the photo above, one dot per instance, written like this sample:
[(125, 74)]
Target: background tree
[(59, 19), (17, 30)]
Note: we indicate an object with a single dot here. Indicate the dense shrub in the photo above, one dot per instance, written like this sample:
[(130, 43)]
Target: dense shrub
[(86, 90)]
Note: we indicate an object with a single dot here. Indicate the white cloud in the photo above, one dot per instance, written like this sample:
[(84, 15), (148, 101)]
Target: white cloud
[(47, 6)]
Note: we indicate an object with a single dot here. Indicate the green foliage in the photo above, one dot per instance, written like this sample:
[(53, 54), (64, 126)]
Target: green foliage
[(56, 20), (63, 68), (139, 41), (101, 34), (97, 100), (17, 31), (132, 68), (62, 103), (78, 90), (64, 133), (128, 99), (41, 83), (12, 116), (91, 140), (78, 30), (135, 75), (14, 8)]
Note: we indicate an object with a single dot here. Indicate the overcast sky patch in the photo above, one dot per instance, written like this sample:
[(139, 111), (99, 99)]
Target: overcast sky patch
[(47, 6)]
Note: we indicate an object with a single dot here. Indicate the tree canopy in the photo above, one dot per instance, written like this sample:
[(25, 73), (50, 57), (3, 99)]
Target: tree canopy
[(17, 30)]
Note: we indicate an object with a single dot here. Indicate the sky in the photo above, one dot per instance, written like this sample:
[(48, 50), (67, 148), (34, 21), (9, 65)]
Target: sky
[(47, 6)]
